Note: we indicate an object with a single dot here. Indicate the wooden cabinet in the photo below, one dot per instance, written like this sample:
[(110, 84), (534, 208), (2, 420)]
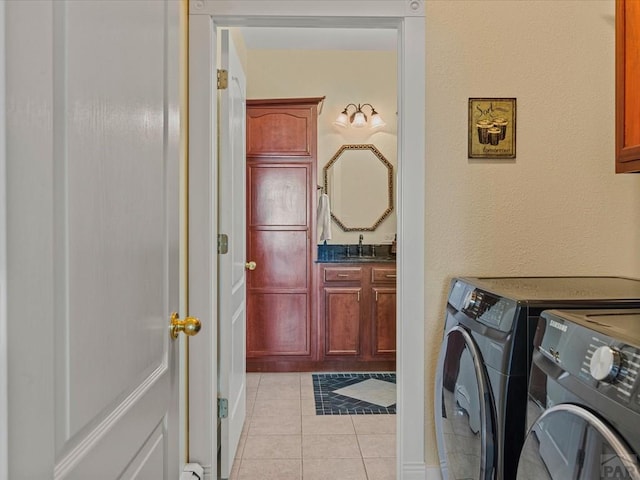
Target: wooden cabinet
[(281, 188), (627, 86), (357, 315)]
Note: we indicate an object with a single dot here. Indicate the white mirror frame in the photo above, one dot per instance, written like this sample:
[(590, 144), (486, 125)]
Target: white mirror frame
[(407, 16)]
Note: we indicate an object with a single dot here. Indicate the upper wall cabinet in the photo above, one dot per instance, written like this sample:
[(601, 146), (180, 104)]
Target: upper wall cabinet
[(627, 86)]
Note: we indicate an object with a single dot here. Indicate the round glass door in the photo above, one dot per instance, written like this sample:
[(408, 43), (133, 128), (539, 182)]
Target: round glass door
[(568, 442), (464, 415)]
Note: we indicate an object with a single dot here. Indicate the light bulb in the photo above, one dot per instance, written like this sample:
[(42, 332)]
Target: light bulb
[(342, 120), (376, 120), (359, 120)]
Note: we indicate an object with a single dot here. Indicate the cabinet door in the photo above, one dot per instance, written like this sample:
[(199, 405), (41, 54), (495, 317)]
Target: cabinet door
[(384, 321), (282, 128), (627, 81), (343, 311)]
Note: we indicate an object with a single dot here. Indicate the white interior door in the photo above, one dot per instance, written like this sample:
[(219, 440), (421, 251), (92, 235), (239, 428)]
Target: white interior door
[(231, 285), (92, 264)]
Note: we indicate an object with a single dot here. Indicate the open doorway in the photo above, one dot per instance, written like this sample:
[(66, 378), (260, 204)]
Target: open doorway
[(298, 319), (409, 22), (345, 421)]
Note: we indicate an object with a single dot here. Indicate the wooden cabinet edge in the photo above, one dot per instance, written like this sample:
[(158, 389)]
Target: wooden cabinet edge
[(627, 158)]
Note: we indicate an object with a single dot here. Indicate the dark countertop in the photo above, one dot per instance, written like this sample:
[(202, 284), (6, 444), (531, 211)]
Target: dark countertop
[(338, 254)]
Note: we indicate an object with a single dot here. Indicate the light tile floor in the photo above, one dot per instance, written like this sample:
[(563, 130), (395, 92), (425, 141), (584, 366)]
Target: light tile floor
[(284, 439)]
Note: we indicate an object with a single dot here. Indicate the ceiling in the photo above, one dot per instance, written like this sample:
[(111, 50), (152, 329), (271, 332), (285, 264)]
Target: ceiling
[(271, 38)]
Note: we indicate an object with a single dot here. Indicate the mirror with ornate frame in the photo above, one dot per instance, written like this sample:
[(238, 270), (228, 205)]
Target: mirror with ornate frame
[(359, 182)]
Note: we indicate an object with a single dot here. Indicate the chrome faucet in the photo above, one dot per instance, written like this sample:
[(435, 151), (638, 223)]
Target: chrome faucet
[(360, 245)]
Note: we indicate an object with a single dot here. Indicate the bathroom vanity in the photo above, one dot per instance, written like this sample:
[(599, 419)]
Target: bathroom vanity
[(357, 311)]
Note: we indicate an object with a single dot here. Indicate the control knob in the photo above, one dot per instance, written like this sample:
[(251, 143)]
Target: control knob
[(474, 300), (605, 364)]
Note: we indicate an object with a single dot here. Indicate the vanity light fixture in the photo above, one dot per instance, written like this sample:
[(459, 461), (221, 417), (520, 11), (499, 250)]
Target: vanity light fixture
[(358, 119)]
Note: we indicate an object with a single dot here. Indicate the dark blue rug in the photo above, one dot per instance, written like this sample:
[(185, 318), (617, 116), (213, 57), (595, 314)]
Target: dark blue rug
[(328, 402)]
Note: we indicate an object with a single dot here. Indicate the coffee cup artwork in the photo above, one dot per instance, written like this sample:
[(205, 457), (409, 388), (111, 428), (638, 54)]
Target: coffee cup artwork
[(492, 128)]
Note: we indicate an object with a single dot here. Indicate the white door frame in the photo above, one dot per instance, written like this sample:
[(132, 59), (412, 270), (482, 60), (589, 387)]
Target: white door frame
[(407, 16), (4, 407)]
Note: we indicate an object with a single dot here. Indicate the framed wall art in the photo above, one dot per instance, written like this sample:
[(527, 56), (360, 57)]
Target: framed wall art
[(492, 128)]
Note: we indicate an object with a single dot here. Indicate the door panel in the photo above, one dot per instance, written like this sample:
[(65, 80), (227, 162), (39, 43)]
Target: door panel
[(343, 316), (103, 144), (150, 459), (276, 325), (384, 320), (273, 252), (280, 132), (231, 285), (278, 195)]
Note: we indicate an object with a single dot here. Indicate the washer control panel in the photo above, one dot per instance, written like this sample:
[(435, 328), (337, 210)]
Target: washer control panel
[(614, 364), (605, 363)]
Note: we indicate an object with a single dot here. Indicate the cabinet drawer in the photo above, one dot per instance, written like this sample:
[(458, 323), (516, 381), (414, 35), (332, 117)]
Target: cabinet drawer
[(342, 274), (383, 275)]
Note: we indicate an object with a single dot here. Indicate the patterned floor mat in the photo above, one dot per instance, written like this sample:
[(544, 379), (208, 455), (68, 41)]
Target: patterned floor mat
[(354, 393)]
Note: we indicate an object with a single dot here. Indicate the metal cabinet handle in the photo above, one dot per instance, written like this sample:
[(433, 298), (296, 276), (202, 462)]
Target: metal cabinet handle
[(391, 275), (250, 265), (342, 275)]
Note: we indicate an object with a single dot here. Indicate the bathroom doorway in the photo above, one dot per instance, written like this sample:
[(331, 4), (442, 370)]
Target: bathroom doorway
[(296, 322), (409, 20)]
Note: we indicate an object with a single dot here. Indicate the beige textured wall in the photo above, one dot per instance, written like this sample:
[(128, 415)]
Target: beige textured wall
[(558, 209), (342, 77)]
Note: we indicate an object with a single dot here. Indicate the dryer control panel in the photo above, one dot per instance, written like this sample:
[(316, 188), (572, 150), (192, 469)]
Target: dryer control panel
[(489, 309)]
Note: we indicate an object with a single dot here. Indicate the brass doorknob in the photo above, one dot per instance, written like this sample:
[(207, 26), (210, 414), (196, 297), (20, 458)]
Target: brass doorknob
[(250, 265), (190, 326)]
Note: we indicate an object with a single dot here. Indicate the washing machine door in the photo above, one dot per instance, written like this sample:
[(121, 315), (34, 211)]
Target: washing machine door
[(464, 412), (568, 442)]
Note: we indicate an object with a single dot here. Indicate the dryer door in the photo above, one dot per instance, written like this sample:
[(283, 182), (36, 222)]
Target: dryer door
[(568, 442), (464, 413)]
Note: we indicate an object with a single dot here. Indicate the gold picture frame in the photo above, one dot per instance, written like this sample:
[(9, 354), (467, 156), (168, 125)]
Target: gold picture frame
[(492, 128)]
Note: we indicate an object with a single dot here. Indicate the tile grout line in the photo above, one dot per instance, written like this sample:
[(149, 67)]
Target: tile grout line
[(364, 465)]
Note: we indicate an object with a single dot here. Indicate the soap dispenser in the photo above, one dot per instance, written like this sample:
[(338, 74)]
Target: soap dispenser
[(393, 244)]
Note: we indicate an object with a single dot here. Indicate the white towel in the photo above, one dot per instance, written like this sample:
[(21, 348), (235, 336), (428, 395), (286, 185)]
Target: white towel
[(324, 217)]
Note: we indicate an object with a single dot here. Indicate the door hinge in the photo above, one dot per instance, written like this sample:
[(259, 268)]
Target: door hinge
[(223, 79), (223, 408), (223, 243)]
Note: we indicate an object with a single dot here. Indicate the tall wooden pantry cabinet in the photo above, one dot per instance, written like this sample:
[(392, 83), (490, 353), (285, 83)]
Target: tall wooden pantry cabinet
[(281, 182)]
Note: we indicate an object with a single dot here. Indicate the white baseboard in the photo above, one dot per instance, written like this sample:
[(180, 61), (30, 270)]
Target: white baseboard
[(433, 473), (413, 471)]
